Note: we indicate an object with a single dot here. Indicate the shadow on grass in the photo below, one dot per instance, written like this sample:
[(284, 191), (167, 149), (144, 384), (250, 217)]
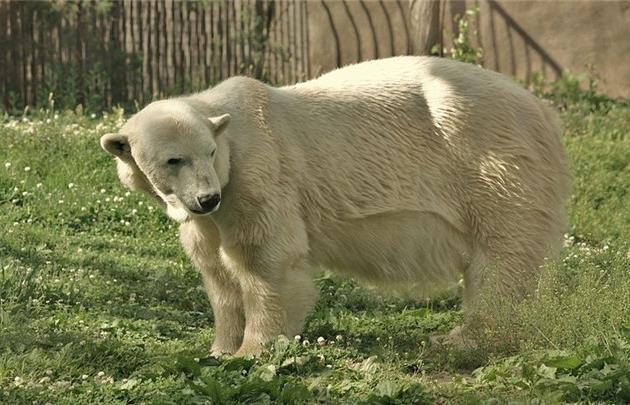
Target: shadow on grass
[(67, 352)]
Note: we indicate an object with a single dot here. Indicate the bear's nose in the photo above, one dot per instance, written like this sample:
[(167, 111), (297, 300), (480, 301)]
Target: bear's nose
[(208, 202)]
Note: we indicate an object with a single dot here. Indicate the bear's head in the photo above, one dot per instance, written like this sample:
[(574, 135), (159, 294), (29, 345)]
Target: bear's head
[(173, 152)]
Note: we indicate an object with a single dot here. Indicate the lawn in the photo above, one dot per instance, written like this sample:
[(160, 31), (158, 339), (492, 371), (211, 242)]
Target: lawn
[(98, 303)]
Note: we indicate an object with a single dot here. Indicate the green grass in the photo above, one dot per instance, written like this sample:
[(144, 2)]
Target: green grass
[(98, 303)]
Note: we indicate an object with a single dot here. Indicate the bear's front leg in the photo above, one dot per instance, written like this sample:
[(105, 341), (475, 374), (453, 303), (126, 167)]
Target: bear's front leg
[(265, 314), (276, 302), (270, 275), (201, 241), (226, 299)]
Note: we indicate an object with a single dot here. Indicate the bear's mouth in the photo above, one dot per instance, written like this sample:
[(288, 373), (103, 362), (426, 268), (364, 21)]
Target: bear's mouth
[(199, 212), (202, 212)]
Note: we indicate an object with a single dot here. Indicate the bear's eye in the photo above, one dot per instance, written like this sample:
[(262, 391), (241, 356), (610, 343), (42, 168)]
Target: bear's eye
[(212, 153), (174, 161)]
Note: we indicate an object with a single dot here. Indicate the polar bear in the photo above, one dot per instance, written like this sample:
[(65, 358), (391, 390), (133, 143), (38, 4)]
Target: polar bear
[(405, 173)]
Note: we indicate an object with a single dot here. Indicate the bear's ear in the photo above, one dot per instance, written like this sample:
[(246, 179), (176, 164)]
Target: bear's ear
[(219, 123), (117, 145)]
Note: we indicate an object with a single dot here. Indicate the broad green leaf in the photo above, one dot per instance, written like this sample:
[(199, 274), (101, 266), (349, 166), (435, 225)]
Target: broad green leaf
[(188, 365), (294, 393), (266, 373), (564, 362), (600, 386), (280, 345), (624, 388), (238, 363), (546, 372), (129, 384), (369, 365), (209, 387), (209, 362), (388, 388)]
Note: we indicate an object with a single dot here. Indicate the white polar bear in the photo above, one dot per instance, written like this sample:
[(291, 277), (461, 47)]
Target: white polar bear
[(404, 172)]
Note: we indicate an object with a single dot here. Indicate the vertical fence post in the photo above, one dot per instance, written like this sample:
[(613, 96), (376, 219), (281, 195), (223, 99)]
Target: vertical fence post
[(425, 25)]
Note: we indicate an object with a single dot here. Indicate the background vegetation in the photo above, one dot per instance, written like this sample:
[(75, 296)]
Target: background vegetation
[(100, 54)]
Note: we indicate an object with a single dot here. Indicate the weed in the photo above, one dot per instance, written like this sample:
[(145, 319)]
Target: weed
[(462, 47)]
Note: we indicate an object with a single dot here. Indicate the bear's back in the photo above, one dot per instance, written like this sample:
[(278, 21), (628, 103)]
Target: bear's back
[(473, 109), (415, 70)]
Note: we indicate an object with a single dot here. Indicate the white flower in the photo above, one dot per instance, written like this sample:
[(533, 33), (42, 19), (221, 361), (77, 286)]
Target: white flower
[(92, 115), (39, 185), (71, 185), (27, 169), (297, 338), (321, 341), (7, 164)]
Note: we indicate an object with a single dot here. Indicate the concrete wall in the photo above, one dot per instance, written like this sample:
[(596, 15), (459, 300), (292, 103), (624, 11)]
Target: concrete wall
[(344, 32), (519, 38), (522, 37)]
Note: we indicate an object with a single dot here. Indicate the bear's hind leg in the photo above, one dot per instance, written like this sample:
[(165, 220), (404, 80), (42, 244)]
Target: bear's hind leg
[(493, 283), (299, 296), (460, 336), (473, 280)]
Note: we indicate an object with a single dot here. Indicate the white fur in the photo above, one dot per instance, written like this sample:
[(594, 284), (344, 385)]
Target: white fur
[(404, 172)]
